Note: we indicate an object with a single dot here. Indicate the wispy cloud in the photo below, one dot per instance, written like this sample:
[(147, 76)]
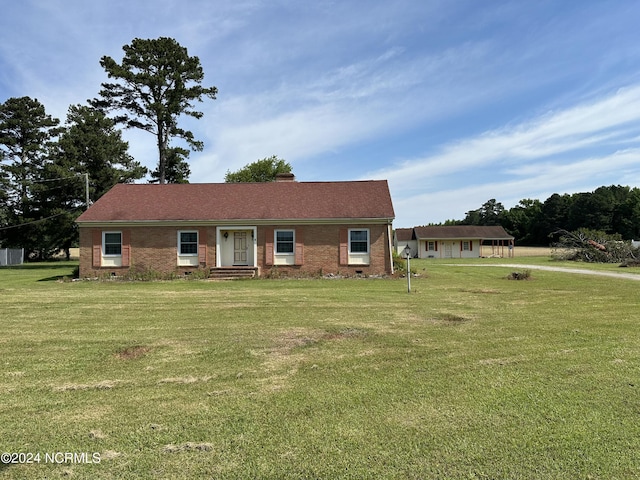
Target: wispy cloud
[(558, 132), (540, 182), (453, 102), (552, 153)]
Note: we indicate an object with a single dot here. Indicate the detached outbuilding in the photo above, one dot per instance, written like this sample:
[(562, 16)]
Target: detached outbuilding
[(294, 227), (455, 241)]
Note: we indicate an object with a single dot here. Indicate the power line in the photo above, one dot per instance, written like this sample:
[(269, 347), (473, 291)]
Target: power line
[(56, 179), (35, 221), (76, 175)]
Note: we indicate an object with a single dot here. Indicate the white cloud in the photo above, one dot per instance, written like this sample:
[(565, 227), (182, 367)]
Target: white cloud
[(549, 135), (538, 182), (546, 155), (326, 84)]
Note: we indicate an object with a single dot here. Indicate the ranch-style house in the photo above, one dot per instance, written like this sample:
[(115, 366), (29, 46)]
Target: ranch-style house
[(454, 241), (294, 228)]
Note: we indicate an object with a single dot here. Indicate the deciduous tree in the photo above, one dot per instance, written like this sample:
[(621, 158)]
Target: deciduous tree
[(264, 170)]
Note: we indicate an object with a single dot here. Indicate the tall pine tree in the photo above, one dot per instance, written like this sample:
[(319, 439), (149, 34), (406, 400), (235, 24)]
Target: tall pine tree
[(26, 131), (156, 83), (90, 145)]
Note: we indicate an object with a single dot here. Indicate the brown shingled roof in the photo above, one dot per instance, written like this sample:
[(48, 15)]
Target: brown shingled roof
[(243, 201), (405, 234), (437, 232)]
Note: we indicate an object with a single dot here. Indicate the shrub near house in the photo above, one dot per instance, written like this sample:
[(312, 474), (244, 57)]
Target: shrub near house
[(296, 227)]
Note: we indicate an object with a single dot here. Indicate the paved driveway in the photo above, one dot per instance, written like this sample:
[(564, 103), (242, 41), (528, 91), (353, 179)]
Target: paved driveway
[(629, 276)]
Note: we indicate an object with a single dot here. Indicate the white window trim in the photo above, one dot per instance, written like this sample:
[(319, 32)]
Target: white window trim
[(284, 258), (188, 259), (466, 245), (104, 245), (431, 246), (180, 243), (368, 241), (275, 242)]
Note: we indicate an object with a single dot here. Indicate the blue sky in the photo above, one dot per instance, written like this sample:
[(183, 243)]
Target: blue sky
[(454, 102)]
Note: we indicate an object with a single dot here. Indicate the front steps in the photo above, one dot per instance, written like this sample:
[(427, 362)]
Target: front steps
[(232, 273)]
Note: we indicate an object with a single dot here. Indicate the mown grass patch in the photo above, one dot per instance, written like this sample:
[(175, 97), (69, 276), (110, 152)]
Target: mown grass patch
[(470, 376)]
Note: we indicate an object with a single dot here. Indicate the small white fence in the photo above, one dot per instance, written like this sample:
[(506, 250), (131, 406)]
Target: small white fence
[(11, 256)]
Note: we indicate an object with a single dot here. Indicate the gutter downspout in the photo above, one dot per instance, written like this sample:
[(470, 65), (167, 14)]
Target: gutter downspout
[(390, 245)]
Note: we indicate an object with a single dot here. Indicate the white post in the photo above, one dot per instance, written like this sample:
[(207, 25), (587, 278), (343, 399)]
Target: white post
[(407, 253)]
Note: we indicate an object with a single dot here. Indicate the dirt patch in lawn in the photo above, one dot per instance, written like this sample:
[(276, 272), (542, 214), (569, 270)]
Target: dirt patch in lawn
[(344, 333), (453, 319), (281, 353), (133, 352)]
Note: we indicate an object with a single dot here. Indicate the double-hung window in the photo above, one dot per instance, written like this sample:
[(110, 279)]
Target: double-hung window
[(188, 243), (284, 242), (359, 246), (111, 249), (112, 243), (188, 248), (359, 241), (284, 247)]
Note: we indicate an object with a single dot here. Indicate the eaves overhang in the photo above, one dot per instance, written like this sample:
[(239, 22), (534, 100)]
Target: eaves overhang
[(232, 222), (459, 237)]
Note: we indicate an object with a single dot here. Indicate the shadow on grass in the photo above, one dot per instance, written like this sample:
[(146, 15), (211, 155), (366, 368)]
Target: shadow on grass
[(54, 278), (49, 267), (41, 266)]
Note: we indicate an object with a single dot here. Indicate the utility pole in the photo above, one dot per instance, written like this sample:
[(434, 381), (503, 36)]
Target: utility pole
[(86, 189)]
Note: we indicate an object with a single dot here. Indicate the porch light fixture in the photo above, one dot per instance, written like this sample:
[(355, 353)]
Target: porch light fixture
[(226, 235), (407, 254)]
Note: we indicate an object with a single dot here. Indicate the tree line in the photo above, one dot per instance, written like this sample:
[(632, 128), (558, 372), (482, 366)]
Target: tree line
[(612, 210), (49, 171)]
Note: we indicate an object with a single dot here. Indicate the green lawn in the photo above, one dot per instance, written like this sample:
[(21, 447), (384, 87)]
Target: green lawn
[(470, 376)]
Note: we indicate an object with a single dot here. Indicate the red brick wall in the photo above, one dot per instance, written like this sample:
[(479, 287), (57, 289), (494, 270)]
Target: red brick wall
[(155, 249), (322, 251)]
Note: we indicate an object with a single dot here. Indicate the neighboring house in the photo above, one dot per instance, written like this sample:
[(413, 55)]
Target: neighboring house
[(455, 241), (294, 227), (403, 237)]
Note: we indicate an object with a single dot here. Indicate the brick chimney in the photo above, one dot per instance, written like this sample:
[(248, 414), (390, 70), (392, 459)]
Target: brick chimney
[(285, 177)]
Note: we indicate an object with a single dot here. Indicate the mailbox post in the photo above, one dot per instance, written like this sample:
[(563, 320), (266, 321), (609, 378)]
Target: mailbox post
[(407, 255)]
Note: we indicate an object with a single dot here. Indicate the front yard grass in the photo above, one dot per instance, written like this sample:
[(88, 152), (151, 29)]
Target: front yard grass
[(470, 376)]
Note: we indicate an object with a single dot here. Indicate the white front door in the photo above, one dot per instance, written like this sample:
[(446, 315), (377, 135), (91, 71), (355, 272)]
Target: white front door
[(240, 248), (447, 249)]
